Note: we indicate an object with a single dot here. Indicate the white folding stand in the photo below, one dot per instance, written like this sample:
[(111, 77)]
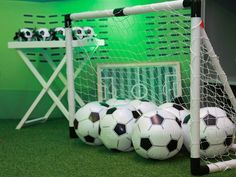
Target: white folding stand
[(91, 43)]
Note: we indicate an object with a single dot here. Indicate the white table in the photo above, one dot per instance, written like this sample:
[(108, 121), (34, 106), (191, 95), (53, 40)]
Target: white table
[(90, 43)]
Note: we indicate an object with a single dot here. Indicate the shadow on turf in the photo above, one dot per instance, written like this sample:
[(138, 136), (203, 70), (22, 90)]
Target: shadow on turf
[(102, 150), (183, 154)]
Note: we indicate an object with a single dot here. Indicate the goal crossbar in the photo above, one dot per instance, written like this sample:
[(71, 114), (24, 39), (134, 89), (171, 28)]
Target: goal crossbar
[(140, 9)]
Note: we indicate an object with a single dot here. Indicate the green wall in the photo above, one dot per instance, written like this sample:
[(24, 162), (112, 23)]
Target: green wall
[(18, 87)]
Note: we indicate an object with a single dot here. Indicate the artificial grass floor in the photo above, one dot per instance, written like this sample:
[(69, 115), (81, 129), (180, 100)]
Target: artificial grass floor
[(45, 150)]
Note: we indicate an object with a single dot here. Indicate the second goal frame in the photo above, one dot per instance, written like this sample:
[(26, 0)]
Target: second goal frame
[(108, 88), (197, 32)]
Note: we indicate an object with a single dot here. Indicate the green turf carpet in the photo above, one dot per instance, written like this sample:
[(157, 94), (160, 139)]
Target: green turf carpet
[(45, 150)]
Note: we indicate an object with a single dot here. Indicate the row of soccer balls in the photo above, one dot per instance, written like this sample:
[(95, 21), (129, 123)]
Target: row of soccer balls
[(44, 34), (154, 132)]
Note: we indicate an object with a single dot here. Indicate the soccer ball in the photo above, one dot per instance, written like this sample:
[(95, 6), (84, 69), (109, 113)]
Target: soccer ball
[(27, 34), (179, 111), (117, 102), (157, 135), (87, 120), (78, 33), (216, 132), (42, 34), (89, 32), (60, 33), (116, 127), (143, 106), (24, 34)]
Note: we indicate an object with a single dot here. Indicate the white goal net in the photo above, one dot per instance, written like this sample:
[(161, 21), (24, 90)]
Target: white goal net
[(148, 57), (216, 93), (144, 57)]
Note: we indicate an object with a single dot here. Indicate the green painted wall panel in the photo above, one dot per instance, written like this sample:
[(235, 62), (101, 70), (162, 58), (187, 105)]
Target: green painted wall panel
[(14, 104), (14, 75), (16, 81)]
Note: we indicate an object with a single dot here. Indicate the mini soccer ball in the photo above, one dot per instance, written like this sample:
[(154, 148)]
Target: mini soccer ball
[(42, 34), (179, 111), (23, 34), (28, 34), (216, 132), (117, 102), (87, 120), (116, 127), (143, 106), (60, 33), (78, 33), (157, 135), (89, 32)]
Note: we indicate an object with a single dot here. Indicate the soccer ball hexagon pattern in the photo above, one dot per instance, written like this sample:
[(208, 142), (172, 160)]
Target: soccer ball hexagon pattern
[(60, 33), (116, 127), (157, 135), (27, 33), (78, 33), (87, 121), (89, 32), (43, 34), (179, 111), (143, 106), (216, 132)]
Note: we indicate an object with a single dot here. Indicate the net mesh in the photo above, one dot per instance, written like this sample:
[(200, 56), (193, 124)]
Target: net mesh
[(213, 93), (147, 57), (144, 57)]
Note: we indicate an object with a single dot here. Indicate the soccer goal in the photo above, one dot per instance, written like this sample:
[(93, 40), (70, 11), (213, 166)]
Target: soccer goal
[(162, 53)]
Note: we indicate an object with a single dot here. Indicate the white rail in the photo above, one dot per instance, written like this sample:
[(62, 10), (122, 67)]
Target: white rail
[(222, 166), (140, 9)]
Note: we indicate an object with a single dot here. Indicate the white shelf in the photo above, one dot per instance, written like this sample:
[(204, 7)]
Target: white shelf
[(55, 44)]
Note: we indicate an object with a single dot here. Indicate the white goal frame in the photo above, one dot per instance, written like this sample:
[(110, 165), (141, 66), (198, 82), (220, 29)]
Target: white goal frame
[(196, 33)]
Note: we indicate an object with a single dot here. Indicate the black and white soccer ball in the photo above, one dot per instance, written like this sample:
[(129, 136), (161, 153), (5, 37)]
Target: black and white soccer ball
[(116, 128), (43, 34), (78, 33), (24, 34), (60, 33), (179, 111), (143, 106), (27, 33), (89, 32), (157, 135), (87, 120), (217, 132)]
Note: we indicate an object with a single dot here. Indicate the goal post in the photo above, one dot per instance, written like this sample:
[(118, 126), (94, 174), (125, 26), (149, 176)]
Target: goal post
[(198, 39), (118, 12), (70, 75), (131, 10)]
